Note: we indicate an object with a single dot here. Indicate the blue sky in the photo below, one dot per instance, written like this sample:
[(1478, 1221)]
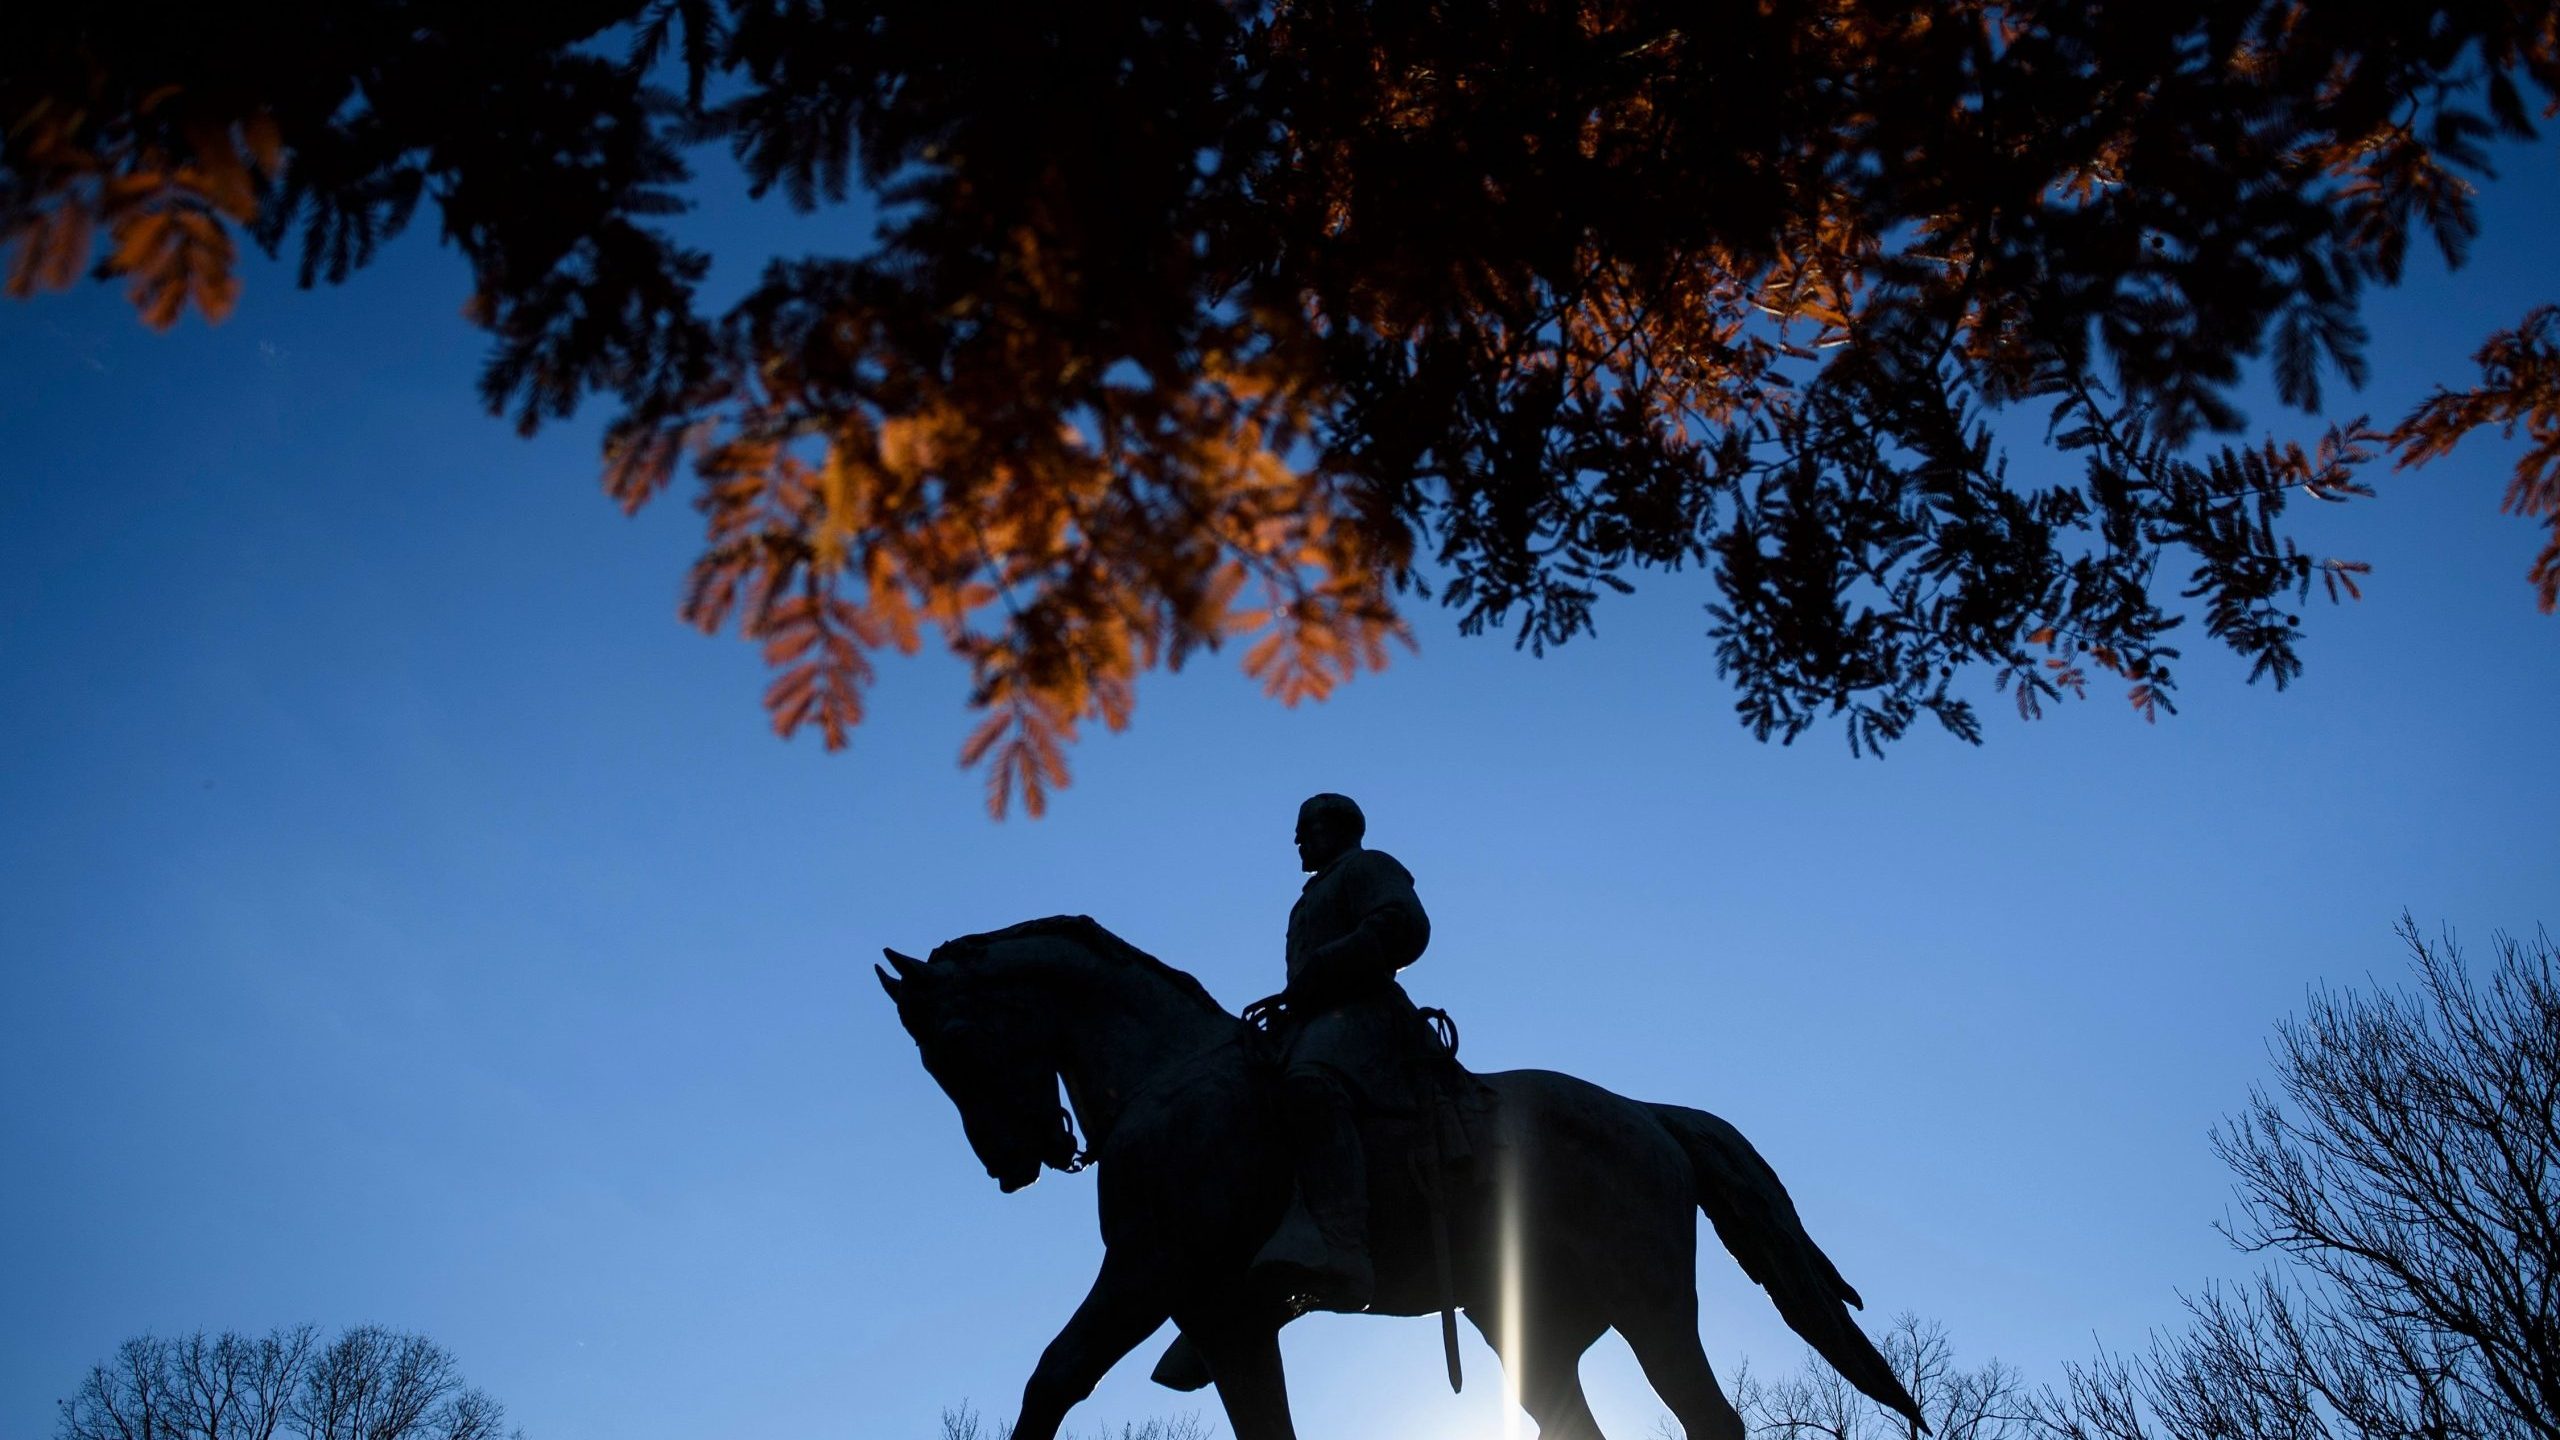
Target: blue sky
[(406, 920)]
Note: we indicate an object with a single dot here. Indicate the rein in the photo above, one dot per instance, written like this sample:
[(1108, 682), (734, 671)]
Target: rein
[(1083, 1153)]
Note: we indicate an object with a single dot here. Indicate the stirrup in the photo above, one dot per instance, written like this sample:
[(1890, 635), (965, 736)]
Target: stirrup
[(1334, 1286)]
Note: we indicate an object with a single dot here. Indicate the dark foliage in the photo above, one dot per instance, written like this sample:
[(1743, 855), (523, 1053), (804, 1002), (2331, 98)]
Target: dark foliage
[(1193, 321)]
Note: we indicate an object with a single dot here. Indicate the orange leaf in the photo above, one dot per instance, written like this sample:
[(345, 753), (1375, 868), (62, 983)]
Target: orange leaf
[(983, 737)]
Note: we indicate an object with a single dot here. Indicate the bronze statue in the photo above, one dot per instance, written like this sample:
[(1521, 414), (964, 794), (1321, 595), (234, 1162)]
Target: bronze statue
[(1549, 1209)]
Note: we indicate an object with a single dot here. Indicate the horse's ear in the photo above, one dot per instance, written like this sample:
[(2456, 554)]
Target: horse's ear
[(908, 966), (888, 982)]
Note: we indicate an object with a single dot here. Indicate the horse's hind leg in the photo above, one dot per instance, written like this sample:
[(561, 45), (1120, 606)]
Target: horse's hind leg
[(1664, 1335), (1549, 1367)]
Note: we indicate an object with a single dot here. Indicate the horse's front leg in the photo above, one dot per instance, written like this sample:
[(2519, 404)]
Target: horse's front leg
[(1240, 1344), (1125, 1305)]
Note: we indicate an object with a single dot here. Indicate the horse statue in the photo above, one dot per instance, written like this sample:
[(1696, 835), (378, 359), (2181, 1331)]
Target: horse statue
[(1573, 1216)]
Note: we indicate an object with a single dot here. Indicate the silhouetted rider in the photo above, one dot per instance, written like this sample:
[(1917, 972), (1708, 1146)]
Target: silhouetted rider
[(1343, 1024)]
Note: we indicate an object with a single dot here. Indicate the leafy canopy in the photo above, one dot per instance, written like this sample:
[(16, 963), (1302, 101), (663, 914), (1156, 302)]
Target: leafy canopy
[(1196, 322)]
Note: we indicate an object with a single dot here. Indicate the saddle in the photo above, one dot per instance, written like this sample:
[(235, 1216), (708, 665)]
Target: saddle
[(1422, 1119), (1442, 1098)]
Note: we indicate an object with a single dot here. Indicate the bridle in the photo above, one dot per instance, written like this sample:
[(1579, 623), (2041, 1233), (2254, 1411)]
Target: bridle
[(1079, 1155)]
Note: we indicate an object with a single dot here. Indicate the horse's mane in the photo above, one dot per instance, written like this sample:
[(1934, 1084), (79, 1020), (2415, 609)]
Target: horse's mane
[(1089, 932)]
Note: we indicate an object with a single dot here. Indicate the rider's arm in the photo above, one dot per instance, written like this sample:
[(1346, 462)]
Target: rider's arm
[(1390, 935)]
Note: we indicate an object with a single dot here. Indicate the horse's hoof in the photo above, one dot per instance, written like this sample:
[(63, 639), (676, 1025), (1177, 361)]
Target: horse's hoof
[(1182, 1367)]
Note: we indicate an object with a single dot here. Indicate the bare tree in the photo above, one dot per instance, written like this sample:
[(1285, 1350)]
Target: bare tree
[(368, 1384), (1815, 1403), (1180, 1427), (232, 1387), (961, 1422), (2409, 1180)]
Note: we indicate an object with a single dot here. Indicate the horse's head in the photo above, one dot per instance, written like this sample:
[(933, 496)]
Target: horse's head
[(993, 1063)]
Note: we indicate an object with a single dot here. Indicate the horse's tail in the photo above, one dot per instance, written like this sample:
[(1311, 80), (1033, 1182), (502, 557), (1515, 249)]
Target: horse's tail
[(1757, 1222)]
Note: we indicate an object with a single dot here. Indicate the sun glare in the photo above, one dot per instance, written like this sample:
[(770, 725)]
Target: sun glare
[(1512, 1290)]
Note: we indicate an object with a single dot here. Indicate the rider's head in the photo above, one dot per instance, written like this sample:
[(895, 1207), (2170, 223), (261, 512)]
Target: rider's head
[(1328, 824)]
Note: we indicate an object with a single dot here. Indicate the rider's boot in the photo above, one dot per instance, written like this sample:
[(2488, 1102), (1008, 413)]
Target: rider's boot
[(1319, 1257)]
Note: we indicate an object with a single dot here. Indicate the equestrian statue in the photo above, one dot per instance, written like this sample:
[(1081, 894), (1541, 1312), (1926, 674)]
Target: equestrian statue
[(1325, 1151)]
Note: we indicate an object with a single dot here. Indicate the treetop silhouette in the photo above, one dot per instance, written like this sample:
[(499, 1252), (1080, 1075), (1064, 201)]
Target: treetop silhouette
[(1189, 323)]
